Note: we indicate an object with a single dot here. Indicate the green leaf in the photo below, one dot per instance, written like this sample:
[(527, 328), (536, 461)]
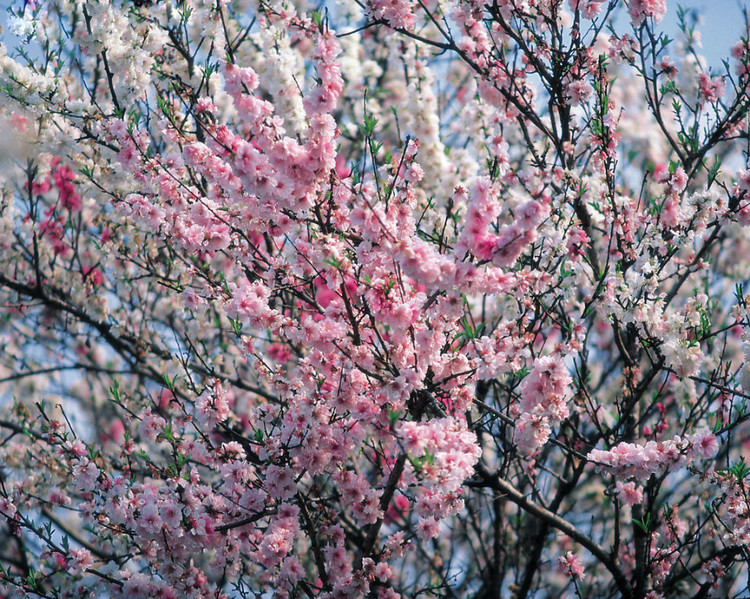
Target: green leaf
[(114, 391), (333, 263), (643, 523), (520, 373), (236, 326), (370, 124), (166, 433), (739, 470), (713, 172), (168, 382)]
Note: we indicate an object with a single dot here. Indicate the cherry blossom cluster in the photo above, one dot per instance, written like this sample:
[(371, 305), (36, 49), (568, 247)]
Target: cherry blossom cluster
[(377, 299), (543, 403), (629, 460)]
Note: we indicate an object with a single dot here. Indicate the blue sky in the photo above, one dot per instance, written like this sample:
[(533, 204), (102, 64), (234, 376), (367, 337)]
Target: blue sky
[(721, 25)]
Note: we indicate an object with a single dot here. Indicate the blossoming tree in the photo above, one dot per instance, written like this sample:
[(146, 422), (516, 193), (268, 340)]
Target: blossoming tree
[(379, 298)]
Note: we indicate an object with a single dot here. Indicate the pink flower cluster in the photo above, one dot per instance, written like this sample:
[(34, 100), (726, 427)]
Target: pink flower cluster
[(213, 406), (53, 228), (351, 318), (571, 565), (483, 210), (443, 455), (249, 304), (543, 403), (629, 460), (711, 88), (737, 514), (357, 492), (399, 14), (643, 9), (672, 214), (589, 8), (743, 191), (628, 493), (64, 179)]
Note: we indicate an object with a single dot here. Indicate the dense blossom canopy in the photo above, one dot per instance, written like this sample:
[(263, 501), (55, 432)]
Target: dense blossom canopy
[(378, 298)]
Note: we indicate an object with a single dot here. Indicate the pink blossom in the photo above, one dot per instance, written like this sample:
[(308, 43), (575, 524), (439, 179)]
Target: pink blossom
[(280, 483), (171, 514), (205, 105), (705, 445), (212, 406), (86, 474), (136, 587), (151, 426), (571, 565), (578, 91), (590, 9), (628, 493), (428, 528), (292, 570), (250, 301), (678, 180), (711, 88), (397, 13), (545, 385), (641, 461), (407, 301), (532, 431), (64, 178), (149, 520), (80, 560), (642, 9)]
